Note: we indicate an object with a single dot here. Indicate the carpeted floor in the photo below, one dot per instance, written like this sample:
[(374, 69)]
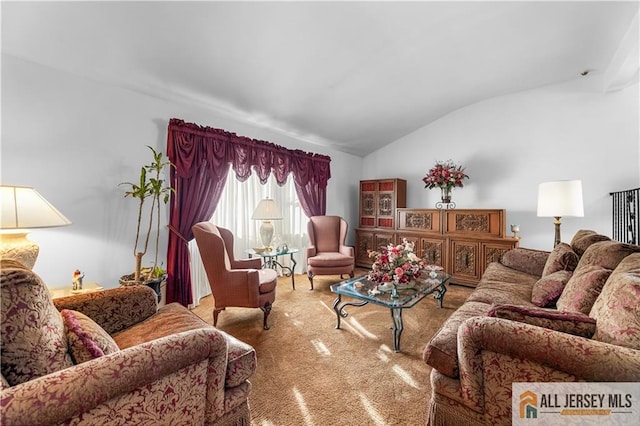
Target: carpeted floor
[(309, 373)]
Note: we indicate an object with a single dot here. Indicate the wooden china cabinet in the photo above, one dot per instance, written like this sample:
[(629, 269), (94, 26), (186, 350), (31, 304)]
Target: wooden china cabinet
[(379, 200), (462, 241)]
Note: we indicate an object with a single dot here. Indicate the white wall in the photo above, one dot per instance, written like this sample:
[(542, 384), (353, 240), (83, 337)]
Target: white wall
[(75, 140), (512, 143)]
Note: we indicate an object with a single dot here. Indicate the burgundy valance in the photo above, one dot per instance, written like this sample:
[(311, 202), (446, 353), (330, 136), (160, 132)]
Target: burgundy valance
[(199, 145)]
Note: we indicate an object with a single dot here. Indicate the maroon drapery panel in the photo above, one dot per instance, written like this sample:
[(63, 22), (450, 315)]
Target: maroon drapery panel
[(198, 179), (202, 156)]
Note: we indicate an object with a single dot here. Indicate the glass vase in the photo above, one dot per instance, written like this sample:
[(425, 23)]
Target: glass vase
[(446, 194)]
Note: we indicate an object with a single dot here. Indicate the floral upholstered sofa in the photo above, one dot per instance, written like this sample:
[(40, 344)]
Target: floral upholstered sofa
[(114, 358), (567, 315)]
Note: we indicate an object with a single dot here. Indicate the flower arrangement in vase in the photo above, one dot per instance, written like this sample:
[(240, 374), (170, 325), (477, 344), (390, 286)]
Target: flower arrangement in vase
[(395, 266), (445, 175)]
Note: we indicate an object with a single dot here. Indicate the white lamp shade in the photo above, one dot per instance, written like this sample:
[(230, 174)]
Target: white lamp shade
[(560, 199), (24, 208), (267, 210)]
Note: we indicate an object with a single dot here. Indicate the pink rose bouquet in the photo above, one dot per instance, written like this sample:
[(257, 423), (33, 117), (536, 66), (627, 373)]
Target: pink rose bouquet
[(396, 264)]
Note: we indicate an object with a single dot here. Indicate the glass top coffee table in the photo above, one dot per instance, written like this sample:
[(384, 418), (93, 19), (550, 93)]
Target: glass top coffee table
[(364, 291)]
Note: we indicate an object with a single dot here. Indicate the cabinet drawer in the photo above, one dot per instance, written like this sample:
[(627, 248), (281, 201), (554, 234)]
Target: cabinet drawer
[(476, 223), (419, 220)]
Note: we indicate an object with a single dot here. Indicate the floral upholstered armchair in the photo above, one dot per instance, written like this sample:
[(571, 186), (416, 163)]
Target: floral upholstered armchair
[(112, 357)]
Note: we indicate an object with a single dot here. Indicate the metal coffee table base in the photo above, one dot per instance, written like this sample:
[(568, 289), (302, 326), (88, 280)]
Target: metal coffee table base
[(396, 313), (396, 318), (363, 291)]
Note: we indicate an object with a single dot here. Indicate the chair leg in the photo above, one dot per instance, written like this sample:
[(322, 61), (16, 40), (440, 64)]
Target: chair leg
[(267, 310), (351, 274), (310, 275), (216, 311)]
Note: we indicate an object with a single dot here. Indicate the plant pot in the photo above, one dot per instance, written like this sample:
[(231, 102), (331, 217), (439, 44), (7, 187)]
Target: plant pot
[(154, 283)]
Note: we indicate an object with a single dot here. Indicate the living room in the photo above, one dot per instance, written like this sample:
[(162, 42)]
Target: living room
[(94, 134), (74, 130)]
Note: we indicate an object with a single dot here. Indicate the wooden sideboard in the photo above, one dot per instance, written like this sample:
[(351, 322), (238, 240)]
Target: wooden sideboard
[(463, 241)]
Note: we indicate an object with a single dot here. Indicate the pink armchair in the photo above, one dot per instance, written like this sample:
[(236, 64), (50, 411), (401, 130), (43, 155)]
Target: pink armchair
[(327, 254), (239, 283)]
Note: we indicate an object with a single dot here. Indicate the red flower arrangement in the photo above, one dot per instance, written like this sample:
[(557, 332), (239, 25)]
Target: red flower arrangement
[(396, 264), (445, 174)]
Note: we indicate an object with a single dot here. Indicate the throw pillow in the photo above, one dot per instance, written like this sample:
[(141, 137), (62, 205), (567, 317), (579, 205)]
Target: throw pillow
[(548, 289), (525, 260), (584, 238), (33, 343), (583, 289), (617, 307), (86, 339), (562, 258), (607, 254), (576, 324)]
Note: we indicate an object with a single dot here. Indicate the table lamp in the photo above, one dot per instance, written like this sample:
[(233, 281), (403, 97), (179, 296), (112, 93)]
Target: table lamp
[(558, 199), (23, 209), (267, 211)]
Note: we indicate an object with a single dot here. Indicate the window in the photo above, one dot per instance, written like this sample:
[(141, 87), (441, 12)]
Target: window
[(237, 203)]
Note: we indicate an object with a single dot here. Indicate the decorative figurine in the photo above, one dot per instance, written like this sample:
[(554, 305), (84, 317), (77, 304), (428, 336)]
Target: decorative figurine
[(77, 280), (282, 248), (515, 229)]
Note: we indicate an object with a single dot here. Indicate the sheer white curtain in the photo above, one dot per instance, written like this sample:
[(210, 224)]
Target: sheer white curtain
[(237, 203)]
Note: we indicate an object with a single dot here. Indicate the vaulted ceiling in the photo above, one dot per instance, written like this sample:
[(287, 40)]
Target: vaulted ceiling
[(351, 75)]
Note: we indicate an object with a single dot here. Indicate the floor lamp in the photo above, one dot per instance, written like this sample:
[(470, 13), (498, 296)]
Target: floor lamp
[(267, 211), (23, 209), (558, 199)]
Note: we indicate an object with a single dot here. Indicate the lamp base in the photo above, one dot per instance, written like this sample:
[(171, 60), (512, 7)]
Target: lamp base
[(266, 233), (556, 222), (18, 247)]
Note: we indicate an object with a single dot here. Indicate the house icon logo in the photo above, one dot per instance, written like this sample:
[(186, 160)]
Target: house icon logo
[(528, 405)]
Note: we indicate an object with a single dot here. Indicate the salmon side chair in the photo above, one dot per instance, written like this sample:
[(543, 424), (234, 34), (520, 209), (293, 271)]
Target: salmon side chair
[(327, 254), (234, 282)]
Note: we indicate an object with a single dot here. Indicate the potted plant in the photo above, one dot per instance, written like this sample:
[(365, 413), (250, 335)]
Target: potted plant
[(152, 188)]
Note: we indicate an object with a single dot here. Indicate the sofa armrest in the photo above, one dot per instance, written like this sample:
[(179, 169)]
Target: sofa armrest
[(114, 309), (525, 260), (125, 376), (540, 355)]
